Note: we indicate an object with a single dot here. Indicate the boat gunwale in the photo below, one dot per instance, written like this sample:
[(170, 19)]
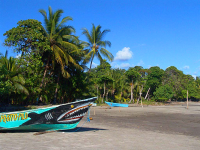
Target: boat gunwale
[(30, 110)]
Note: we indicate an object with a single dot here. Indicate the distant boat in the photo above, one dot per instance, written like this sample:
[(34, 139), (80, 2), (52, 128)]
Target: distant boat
[(111, 104), (59, 117)]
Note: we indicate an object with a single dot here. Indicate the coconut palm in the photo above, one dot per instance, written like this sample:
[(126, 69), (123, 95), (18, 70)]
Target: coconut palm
[(96, 46), (60, 40), (61, 43)]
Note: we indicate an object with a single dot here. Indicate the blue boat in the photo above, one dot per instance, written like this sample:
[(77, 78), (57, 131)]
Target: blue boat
[(111, 104), (58, 117)]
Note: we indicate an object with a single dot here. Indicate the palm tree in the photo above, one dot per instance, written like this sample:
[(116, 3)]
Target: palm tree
[(61, 43), (96, 46), (11, 72), (133, 76), (60, 39)]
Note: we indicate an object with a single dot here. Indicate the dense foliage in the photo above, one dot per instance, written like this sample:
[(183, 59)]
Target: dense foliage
[(51, 68)]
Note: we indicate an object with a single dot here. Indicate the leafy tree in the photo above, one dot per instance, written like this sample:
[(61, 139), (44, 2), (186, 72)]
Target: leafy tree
[(163, 93), (11, 77), (154, 78), (31, 67), (190, 85), (27, 37), (96, 46), (175, 78)]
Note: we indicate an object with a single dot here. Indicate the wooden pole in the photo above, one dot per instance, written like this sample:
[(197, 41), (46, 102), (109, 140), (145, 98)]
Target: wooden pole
[(187, 99), (141, 100), (141, 96)]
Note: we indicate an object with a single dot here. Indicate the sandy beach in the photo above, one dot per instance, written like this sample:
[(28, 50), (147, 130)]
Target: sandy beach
[(151, 127)]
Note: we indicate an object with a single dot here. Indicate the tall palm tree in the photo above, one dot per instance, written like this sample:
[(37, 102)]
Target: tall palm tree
[(61, 42), (96, 46), (60, 39)]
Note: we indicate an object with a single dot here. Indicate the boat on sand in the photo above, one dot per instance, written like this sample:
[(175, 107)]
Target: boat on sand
[(58, 117), (111, 104)]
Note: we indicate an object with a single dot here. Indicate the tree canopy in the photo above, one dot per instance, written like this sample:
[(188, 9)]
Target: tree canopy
[(52, 67)]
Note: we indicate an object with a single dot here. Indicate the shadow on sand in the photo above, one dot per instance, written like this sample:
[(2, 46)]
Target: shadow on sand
[(82, 129), (78, 129)]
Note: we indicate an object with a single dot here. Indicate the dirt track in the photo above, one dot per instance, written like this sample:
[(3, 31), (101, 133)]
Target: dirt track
[(152, 127)]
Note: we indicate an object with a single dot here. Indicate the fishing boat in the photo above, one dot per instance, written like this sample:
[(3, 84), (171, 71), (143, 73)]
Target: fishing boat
[(58, 117), (111, 104)]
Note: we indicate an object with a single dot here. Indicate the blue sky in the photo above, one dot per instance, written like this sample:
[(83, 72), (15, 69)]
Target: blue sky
[(143, 32)]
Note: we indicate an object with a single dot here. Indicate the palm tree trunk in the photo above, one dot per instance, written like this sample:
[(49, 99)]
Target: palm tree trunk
[(91, 64), (107, 96), (45, 72), (56, 90), (104, 91), (147, 93), (132, 92), (113, 94), (97, 92), (140, 97)]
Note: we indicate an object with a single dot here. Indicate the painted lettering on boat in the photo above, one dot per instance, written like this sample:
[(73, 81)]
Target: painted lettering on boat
[(13, 117)]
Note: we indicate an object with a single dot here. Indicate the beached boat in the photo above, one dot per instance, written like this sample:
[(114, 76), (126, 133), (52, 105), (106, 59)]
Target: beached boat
[(58, 117), (111, 104)]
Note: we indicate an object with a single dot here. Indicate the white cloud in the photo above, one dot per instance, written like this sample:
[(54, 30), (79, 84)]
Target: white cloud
[(186, 67), (141, 63), (124, 54)]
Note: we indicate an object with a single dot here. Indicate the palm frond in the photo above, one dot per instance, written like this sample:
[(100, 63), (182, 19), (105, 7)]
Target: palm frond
[(50, 14), (69, 46), (87, 34), (43, 12), (103, 34), (71, 38), (87, 56), (21, 88), (99, 57), (52, 29), (57, 15), (107, 54), (64, 20), (104, 43), (59, 54)]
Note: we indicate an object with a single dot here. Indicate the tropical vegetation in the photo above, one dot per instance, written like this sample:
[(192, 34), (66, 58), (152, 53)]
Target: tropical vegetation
[(51, 67)]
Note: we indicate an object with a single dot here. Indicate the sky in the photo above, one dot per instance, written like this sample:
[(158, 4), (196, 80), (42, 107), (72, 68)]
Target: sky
[(143, 33)]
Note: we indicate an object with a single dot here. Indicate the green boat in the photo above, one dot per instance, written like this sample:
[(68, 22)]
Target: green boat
[(58, 117)]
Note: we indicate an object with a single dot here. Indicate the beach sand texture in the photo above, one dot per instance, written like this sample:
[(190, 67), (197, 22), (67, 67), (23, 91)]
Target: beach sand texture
[(149, 128)]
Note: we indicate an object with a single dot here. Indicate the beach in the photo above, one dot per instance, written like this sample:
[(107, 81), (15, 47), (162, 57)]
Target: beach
[(151, 127)]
